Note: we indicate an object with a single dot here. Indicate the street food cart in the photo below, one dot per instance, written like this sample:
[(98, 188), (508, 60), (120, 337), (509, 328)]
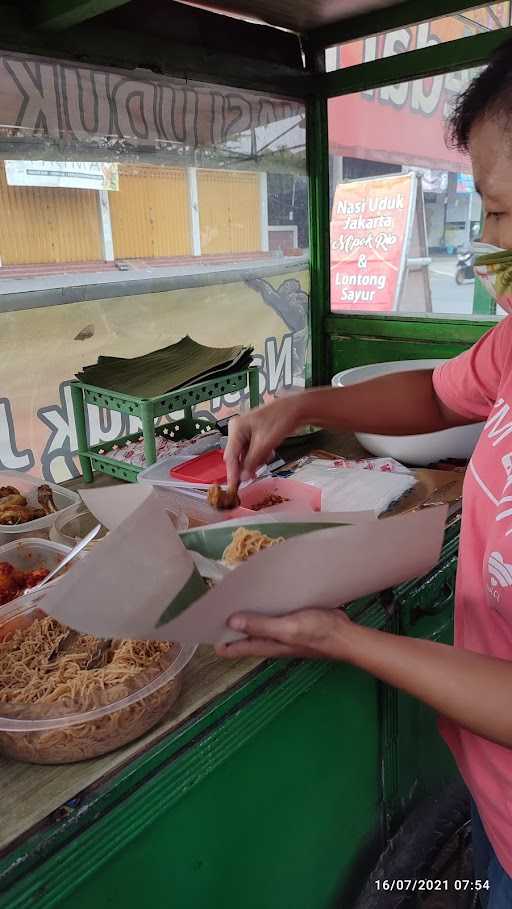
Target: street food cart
[(271, 783)]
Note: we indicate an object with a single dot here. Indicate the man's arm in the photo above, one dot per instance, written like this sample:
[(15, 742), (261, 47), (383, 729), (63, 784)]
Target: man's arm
[(397, 404), (470, 689)]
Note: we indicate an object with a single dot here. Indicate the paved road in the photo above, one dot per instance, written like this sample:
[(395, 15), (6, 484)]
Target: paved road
[(447, 296)]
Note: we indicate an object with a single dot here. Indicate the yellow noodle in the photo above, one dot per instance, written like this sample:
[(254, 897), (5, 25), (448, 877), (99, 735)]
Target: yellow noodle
[(245, 543), (47, 666)]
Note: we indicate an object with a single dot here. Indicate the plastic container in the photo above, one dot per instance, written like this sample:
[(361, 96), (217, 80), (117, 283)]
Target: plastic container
[(178, 501), (66, 501), (70, 529), (52, 733), (206, 469), (301, 496), (30, 553), (420, 450), (159, 474)]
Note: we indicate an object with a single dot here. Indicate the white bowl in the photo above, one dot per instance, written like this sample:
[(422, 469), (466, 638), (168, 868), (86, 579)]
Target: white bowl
[(419, 450)]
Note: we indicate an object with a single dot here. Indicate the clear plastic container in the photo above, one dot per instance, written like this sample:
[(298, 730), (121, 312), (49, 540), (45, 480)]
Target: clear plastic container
[(27, 554), (66, 501), (159, 474), (52, 733), (70, 529)]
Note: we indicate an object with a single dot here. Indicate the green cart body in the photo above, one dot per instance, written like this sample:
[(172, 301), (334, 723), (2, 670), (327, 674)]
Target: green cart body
[(282, 786)]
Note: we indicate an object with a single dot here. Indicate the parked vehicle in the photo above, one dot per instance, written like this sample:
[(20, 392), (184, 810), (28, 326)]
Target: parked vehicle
[(465, 265)]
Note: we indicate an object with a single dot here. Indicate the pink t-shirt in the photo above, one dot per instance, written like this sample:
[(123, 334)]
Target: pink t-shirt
[(478, 384)]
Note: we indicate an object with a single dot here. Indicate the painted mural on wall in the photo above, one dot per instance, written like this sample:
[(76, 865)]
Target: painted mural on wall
[(42, 349)]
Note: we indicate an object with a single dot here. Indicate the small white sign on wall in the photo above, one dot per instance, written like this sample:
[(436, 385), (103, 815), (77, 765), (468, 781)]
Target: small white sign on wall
[(69, 174)]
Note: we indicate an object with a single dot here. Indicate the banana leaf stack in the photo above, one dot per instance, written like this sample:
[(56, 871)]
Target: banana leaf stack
[(168, 369)]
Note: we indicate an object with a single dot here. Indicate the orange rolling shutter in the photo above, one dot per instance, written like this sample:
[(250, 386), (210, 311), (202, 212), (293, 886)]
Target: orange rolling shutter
[(229, 211), (150, 213)]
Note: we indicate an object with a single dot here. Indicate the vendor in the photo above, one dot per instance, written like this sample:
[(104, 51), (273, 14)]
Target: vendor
[(470, 685)]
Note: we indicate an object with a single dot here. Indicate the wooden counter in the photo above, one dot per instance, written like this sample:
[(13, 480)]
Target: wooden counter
[(28, 793)]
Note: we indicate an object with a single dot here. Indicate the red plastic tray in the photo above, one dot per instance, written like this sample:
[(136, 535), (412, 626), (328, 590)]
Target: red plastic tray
[(206, 468)]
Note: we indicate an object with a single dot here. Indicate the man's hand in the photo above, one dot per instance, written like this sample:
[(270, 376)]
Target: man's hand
[(253, 437), (469, 688), (308, 633)]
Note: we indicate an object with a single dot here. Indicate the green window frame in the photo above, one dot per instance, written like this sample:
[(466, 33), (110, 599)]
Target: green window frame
[(451, 56)]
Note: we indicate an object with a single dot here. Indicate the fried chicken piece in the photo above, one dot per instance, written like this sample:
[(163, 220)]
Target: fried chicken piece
[(45, 499), (8, 491), (20, 514), (13, 582), (215, 494), (12, 502), (223, 499)]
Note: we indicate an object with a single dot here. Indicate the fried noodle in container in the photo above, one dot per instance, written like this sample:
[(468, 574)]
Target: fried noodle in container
[(66, 697)]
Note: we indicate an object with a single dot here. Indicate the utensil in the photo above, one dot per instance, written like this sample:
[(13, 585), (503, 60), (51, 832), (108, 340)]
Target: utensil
[(67, 559)]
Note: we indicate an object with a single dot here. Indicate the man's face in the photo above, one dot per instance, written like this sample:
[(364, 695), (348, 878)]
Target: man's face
[(490, 147)]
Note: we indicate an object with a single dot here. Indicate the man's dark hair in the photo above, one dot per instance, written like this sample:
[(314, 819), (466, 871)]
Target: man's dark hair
[(489, 95)]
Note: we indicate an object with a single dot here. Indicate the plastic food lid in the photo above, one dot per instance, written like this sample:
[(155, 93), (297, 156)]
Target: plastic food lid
[(207, 468)]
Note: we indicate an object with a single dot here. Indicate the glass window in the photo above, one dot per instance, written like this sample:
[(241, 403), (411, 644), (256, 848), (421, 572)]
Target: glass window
[(136, 211), (403, 203), (435, 31)]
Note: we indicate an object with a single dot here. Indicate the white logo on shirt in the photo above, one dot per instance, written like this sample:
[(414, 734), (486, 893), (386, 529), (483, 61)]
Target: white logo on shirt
[(498, 429), (500, 574)]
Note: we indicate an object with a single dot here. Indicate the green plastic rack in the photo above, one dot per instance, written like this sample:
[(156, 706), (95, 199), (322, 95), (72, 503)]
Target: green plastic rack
[(96, 457)]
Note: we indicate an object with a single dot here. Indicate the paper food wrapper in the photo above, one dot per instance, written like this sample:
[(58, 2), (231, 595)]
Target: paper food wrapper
[(432, 487), (142, 582), (361, 490), (364, 491)]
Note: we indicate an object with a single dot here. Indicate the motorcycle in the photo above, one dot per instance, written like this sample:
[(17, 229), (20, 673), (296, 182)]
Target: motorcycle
[(465, 266)]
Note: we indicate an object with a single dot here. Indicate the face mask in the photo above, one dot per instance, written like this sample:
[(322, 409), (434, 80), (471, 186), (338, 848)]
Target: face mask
[(495, 273)]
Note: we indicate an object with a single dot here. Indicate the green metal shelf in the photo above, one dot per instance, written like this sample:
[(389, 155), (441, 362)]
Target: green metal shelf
[(148, 410)]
